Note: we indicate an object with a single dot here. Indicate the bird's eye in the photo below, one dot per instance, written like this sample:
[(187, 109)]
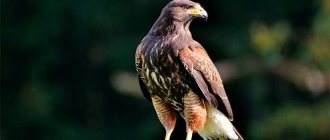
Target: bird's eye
[(187, 7)]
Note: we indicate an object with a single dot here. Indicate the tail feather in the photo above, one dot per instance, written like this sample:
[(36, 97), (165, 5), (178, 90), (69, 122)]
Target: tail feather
[(218, 126), (238, 134)]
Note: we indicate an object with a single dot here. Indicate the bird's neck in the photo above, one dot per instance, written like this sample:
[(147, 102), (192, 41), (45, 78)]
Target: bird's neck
[(166, 25)]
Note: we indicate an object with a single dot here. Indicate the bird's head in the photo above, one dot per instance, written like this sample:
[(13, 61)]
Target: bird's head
[(184, 10), (175, 14)]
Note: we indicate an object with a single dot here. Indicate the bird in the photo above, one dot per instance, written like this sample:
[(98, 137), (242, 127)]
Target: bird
[(177, 76)]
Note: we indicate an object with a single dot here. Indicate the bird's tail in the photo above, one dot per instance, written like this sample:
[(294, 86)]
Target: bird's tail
[(218, 126)]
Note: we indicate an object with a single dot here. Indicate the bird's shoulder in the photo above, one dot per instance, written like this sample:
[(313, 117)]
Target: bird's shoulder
[(196, 53), (195, 57)]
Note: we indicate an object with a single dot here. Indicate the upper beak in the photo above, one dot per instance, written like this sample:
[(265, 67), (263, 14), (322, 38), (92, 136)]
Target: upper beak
[(198, 12), (204, 15)]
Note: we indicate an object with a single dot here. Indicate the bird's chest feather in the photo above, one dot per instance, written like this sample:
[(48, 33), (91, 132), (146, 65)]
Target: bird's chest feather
[(164, 75)]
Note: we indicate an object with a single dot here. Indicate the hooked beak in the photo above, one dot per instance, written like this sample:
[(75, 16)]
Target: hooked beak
[(198, 12), (204, 15)]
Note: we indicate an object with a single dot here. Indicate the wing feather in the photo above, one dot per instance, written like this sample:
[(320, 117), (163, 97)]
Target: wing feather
[(139, 58), (144, 89), (198, 64), (203, 86)]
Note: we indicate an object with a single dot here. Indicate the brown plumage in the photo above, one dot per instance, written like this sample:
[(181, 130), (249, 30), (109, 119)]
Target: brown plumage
[(176, 74)]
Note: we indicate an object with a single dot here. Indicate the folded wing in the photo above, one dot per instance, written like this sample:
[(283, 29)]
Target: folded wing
[(199, 65)]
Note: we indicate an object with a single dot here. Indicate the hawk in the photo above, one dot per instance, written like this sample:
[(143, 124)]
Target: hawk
[(176, 74)]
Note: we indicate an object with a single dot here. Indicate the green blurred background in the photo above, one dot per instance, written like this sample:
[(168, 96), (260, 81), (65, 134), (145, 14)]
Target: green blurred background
[(68, 73)]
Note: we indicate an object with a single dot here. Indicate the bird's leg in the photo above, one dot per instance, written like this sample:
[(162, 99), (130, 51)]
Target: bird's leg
[(189, 134), (168, 134), (166, 115), (194, 113)]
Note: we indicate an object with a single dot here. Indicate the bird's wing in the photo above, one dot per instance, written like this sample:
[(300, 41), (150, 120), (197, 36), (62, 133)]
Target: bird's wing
[(144, 89), (138, 65), (198, 64)]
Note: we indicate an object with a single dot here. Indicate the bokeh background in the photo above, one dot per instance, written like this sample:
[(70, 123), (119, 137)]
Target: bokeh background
[(68, 73)]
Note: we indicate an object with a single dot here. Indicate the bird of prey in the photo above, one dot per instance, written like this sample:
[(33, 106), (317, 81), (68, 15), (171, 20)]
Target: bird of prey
[(176, 74)]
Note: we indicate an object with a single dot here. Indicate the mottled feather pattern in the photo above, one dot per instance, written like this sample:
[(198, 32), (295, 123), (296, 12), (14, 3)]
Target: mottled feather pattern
[(160, 70)]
